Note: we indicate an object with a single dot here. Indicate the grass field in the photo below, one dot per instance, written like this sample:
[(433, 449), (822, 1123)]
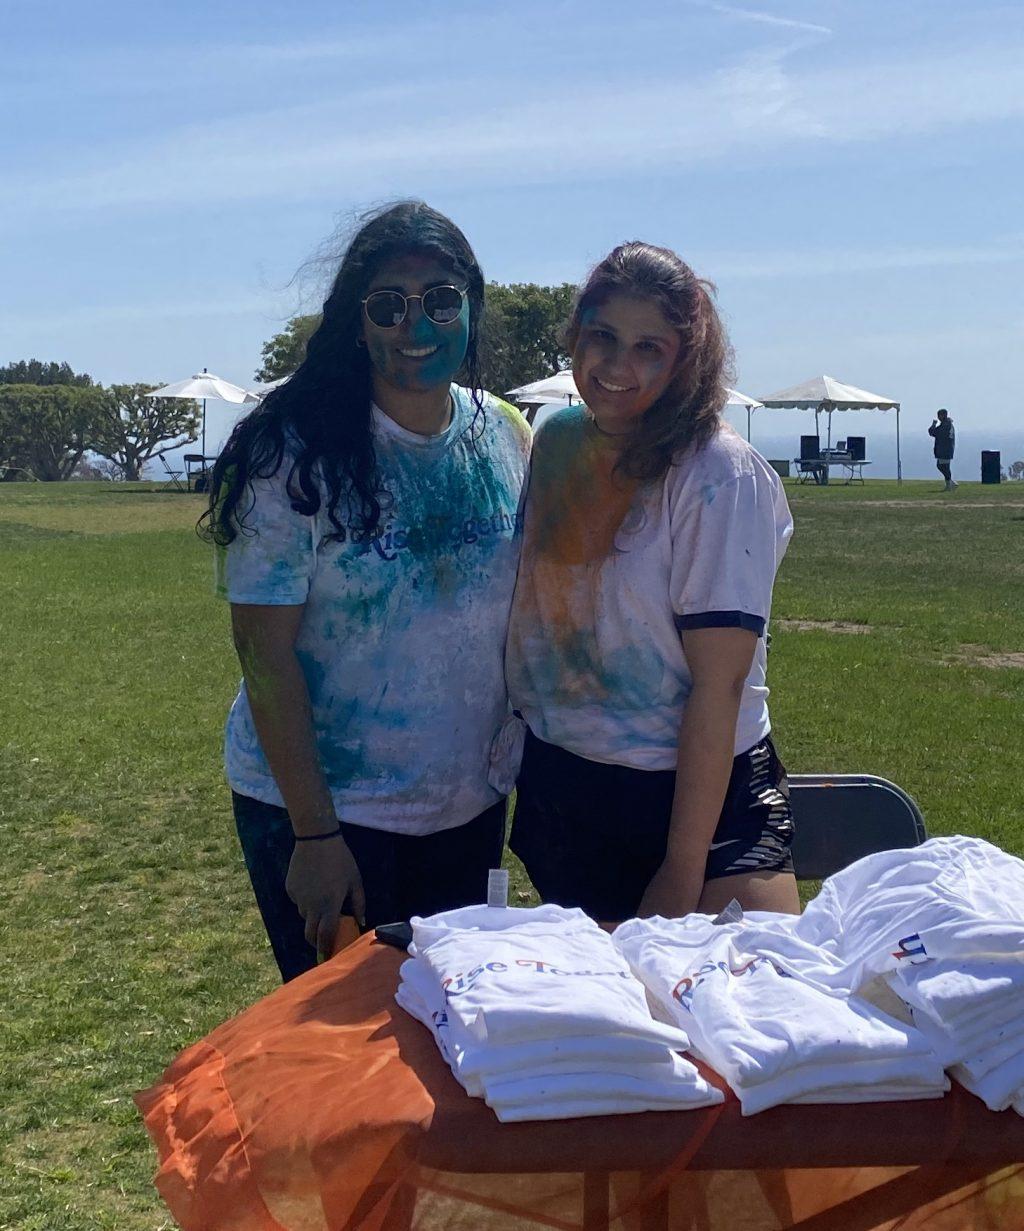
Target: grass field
[(126, 919)]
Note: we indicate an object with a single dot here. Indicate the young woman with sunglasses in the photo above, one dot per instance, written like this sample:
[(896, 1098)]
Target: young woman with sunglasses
[(650, 783), (367, 521)]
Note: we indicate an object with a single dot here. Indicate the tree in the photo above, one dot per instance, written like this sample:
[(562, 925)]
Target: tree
[(46, 429), (35, 372), (130, 427), (1016, 470), (521, 341), (285, 351), (522, 333)]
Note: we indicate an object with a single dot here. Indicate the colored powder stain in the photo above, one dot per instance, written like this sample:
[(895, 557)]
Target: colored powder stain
[(368, 610), (635, 676), (577, 505), (315, 673), (578, 502), (281, 577), (339, 746), (708, 493), (220, 570)]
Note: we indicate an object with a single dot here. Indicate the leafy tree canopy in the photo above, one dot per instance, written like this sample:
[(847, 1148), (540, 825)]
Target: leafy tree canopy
[(45, 429), (286, 350), (522, 331), (36, 372), (130, 427)]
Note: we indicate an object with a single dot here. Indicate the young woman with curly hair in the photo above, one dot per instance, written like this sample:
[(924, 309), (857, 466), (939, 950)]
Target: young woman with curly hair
[(636, 653), (366, 516)]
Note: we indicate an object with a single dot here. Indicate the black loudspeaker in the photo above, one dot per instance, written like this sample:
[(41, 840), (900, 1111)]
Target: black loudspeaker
[(810, 448), (856, 446), (990, 466)]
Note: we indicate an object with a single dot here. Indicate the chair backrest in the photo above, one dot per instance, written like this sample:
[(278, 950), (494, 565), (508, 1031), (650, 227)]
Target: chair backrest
[(810, 448), (839, 818)]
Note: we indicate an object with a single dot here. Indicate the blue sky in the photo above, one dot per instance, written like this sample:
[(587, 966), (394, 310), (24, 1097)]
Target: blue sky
[(848, 173)]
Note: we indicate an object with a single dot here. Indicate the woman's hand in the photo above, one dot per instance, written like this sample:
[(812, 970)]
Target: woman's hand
[(322, 878), (673, 891)]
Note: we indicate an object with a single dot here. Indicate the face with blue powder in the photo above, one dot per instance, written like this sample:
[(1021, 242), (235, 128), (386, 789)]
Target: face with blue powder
[(418, 355)]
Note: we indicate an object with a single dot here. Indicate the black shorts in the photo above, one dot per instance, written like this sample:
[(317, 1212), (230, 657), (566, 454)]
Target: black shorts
[(593, 835)]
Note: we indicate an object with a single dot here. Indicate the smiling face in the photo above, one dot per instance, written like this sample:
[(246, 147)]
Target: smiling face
[(624, 359), (417, 355)]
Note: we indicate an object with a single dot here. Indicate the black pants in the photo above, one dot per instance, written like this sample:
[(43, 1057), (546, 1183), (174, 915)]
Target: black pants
[(403, 875), (944, 467)]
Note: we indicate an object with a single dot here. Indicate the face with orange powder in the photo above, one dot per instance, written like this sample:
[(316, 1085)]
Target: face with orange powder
[(624, 359)]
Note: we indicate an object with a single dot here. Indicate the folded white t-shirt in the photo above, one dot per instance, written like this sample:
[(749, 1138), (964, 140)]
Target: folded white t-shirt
[(997, 1088), (773, 1037), (512, 975), (535, 1011), (674, 1088)]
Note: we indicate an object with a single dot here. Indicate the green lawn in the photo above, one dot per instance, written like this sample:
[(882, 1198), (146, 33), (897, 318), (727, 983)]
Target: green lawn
[(126, 920)]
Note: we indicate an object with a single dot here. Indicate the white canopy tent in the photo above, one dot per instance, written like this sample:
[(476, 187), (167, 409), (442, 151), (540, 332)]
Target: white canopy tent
[(741, 400), (825, 394), (558, 387)]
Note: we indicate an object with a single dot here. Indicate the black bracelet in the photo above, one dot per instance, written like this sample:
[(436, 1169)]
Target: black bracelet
[(317, 837)]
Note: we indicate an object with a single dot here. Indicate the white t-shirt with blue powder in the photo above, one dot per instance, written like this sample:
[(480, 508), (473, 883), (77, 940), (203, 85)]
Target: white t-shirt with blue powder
[(402, 638), (613, 571)]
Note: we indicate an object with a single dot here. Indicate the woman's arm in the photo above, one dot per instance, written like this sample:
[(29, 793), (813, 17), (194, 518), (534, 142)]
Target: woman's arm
[(719, 660), (322, 875)]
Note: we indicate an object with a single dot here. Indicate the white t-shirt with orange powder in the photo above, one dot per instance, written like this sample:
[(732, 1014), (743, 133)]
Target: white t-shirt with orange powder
[(613, 570)]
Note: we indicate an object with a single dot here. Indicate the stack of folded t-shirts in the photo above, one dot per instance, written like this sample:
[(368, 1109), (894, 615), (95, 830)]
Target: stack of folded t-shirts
[(774, 1037), (943, 925), (536, 1012)]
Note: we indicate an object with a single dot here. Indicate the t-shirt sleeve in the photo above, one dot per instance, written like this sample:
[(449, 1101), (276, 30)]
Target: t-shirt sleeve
[(727, 544), (272, 557)]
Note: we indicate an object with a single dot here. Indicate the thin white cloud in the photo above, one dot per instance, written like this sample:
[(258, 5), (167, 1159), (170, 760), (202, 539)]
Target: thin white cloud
[(763, 106), (120, 313), (810, 264), (758, 15)]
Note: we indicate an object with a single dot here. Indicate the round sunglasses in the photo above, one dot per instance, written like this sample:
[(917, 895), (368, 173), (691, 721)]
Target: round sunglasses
[(387, 309)]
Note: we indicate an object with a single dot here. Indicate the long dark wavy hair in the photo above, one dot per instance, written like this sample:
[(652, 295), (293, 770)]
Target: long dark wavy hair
[(323, 412), (688, 413)]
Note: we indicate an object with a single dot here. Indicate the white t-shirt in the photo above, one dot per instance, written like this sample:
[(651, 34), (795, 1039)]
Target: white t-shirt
[(611, 573), (402, 636)]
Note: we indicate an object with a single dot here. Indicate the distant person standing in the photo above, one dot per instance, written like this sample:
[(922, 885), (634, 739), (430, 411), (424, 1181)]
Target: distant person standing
[(943, 433)]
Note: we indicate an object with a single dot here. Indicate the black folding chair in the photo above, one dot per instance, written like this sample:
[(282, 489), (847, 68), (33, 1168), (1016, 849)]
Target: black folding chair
[(175, 476), (197, 473), (839, 818)]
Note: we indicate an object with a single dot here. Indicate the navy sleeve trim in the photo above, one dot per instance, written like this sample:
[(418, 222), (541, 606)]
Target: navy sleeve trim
[(721, 619)]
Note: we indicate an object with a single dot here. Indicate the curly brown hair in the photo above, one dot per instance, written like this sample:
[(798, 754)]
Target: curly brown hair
[(688, 413)]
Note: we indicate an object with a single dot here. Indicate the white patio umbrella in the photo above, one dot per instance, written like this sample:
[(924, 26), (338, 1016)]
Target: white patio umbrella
[(558, 387), (200, 387), (825, 393), (258, 392), (736, 398)]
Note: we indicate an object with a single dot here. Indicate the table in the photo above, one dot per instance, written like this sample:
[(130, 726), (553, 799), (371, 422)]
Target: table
[(325, 1107), (817, 468)]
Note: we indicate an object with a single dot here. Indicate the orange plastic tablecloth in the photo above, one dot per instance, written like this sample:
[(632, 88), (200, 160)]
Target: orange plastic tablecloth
[(324, 1107)]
